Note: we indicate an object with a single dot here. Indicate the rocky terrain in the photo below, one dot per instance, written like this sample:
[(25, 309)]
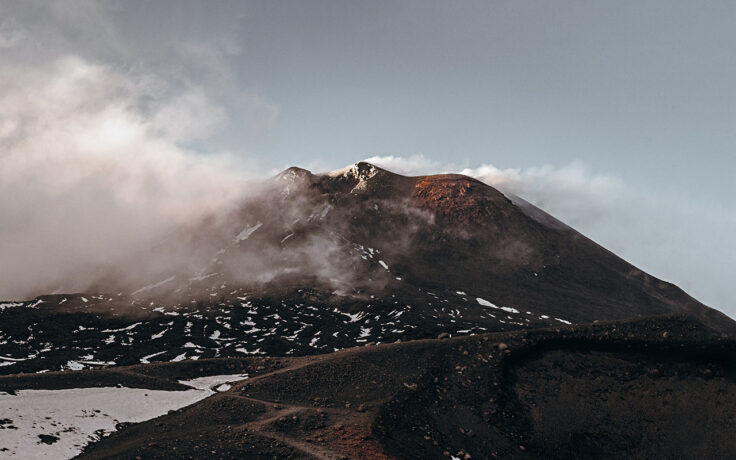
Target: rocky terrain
[(658, 387)]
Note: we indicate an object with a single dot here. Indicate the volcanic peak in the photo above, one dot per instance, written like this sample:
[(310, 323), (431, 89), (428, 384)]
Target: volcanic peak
[(361, 171), (293, 174)]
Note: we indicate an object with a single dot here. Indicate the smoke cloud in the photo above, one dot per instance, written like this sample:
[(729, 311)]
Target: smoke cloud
[(105, 180), (674, 237), (96, 160), (87, 177)]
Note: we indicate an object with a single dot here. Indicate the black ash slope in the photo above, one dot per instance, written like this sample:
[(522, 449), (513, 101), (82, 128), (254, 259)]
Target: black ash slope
[(650, 388)]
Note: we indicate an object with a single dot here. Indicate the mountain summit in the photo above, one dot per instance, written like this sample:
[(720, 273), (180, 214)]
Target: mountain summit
[(318, 262), (454, 232)]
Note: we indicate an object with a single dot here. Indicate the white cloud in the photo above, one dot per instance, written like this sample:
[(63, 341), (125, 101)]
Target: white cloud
[(87, 179), (94, 170), (96, 128), (411, 166), (189, 116), (674, 237)]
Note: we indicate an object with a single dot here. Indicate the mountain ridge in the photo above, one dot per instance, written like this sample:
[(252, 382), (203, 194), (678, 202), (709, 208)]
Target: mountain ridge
[(319, 262)]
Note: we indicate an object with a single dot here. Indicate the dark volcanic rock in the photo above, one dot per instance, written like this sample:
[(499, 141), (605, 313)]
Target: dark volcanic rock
[(572, 392)]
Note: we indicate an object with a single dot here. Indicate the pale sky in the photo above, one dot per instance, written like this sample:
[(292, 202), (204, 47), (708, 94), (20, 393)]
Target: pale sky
[(619, 117)]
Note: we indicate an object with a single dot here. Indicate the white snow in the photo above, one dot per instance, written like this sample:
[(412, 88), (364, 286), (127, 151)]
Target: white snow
[(3, 306), (486, 303), (150, 286), (74, 365), (246, 352), (159, 335), (247, 232), (98, 363), (211, 381), (145, 359), (76, 415), (202, 277), (128, 328), (353, 316)]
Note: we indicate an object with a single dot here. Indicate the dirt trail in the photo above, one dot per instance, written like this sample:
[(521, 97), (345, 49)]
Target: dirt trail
[(276, 411), (309, 449), (259, 427), (306, 441)]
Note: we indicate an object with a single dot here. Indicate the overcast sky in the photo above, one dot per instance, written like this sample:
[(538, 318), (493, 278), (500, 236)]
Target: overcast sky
[(618, 117)]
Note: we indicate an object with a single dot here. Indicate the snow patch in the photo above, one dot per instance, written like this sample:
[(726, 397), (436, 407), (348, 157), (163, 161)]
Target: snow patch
[(150, 286), (486, 303), (74, 365), (128, 328), (145, 359), (212, 381), (159, 335), (203, 277), (78, 416), (3, 306), (247, 232)]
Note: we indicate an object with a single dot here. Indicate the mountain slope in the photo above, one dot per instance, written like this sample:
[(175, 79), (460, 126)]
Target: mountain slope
[(452, 231), (311, 263), (654, 388)]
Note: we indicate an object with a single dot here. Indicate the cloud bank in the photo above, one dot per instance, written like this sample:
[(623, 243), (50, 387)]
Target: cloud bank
[(96, 158), (674, 237)]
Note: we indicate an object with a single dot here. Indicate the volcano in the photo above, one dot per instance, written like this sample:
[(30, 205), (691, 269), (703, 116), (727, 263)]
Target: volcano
[(298, 275), (313, 263)]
